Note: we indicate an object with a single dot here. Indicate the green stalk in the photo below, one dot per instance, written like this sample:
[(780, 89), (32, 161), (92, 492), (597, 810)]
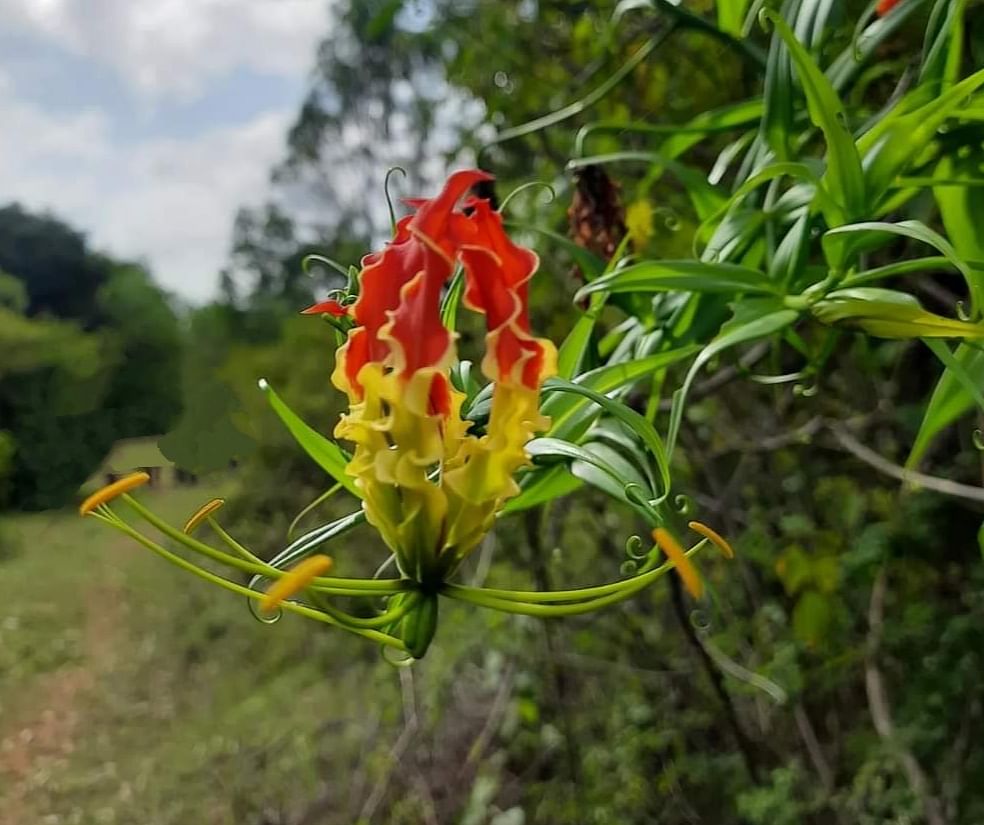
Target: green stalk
[(629, 589), (585, 102), (232, 543), (383, 619), (586, 595), (343, 586), (293, 607)]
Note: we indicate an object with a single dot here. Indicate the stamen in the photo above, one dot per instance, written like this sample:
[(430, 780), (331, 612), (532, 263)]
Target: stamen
[(714, 538), (111, 491), (676, 554), (297, 579), (201, 514)]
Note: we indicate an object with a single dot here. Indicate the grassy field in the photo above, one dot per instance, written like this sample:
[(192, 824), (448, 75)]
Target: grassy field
[(133, 693)]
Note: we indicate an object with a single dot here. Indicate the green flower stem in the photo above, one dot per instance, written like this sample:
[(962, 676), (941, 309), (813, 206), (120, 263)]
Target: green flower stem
[(232, 543), (318, 501), (293, 607), (647, 128), (585, 102), (589, 598), (325, 584), (383, 619), (200, 547), (546, 611)]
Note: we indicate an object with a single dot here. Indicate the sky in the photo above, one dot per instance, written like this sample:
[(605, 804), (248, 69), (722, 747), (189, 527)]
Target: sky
[(147, 123)]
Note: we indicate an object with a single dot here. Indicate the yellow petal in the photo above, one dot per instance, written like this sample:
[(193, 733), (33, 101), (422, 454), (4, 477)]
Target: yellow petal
[(714, 537), (111, 491), (201, 514), (675, 553), (297, 579)]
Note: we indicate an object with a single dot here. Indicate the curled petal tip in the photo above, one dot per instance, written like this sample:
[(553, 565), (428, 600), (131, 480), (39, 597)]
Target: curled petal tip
[(111, 491), (299, 577)]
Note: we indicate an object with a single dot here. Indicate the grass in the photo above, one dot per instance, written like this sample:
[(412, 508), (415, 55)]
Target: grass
[(132, 693)]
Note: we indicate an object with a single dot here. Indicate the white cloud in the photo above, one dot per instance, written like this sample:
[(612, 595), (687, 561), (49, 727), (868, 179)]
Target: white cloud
[(170, 201), (171, 49)]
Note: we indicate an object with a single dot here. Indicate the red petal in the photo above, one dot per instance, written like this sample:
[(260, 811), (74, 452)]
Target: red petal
[(328, 307), (498, 272), (424, 246)]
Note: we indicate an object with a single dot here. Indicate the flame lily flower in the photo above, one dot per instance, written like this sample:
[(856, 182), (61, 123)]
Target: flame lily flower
[(431, 488), (430, 483)]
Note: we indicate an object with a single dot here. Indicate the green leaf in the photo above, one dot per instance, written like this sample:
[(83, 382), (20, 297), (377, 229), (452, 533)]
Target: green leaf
[(789, 262), (798, 171), (563, 408), (449, 304), (325, 452), (952, 397), (898, 139), (844, 179), (852, 59), (731, 16), (540, 486), (691, 276), (841, 245), (886, 313), (753, 318), (777, 117), (592, 464), (962, 207), (570, 355), (304, 545), (943, 40), (929, 264), (741, 114), (635, 422)]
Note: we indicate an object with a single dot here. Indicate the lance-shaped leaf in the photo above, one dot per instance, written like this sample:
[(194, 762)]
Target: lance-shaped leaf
[(572, 415), (564, 409), (843, 180), (853, 58), (325, 452), (954, 395), (635, 422), (886, 313), (690, 276), (843, 244), (741, 114), (943, 41), (731, 16), (598, 466), (961, 207), (540, 486), (891, 146), (753, 318)]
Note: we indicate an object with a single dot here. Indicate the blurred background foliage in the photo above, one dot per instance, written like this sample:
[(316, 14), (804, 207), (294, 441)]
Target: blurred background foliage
[(833, 677)]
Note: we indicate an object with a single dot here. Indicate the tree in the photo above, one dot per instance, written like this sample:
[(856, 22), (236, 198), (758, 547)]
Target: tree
[(90, 351)]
